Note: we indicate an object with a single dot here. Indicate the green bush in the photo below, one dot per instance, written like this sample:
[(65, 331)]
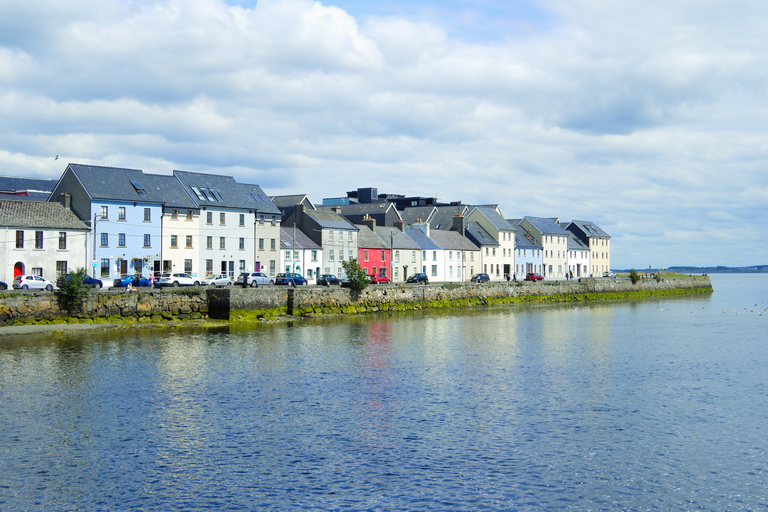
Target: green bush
[(73, 291), (358, 279), (633, 276)]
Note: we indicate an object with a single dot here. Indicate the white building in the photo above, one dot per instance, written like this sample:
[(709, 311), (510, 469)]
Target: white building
[(43, 239)]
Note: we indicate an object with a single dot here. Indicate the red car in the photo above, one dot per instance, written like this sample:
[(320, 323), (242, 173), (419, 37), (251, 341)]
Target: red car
[(533, 277), (379, 279)]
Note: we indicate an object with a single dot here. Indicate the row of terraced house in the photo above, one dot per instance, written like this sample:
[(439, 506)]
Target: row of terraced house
[(116, 222)]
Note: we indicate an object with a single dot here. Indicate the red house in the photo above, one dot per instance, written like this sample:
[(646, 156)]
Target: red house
[(374, 255)]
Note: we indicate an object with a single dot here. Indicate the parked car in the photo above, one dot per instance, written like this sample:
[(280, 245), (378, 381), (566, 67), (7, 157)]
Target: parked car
[(3, 286), (219, 280), (379, 279), (480, 278), (32, 282), (609, 274), (327, 280), (87, 280), (134, 280), (177, 279), (420, 277), (290, 278), (532, 276), (254, 279)]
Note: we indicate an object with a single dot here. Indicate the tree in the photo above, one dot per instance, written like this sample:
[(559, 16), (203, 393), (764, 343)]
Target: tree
[(73, 290), (358, 279), (633, 276)]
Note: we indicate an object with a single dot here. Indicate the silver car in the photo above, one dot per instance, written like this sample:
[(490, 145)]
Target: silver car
[(254, 279), (219, 280)]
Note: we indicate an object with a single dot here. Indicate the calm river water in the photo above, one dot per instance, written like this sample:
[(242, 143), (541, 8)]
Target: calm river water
[(658, 404)]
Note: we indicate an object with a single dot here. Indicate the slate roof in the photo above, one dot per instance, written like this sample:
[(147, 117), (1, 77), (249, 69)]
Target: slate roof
[(479, 235), (302, 240), (424, 242), (491, 213), (26, 189), (261, 201), (547, 226), (443, 216), (167, 187), (412, 214), (34, 214), (574, 244), (452, 240), (399, 239), (367, 239), (114, 183), (363, 208), (590, 229), (216, 191), (524, 239), (292, 200), (329, 220)]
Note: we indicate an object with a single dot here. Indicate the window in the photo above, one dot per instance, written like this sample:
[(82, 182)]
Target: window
[(242, 219), (19, 239), (208, 267), (272, 244), (61, 268), (147, 240), (383, 256), (242, 266), (174, 214), (295, 255), (434, 255), (365, 254), (242, 243), (413, 256), (209, 218), (209, 242), (272, 267), (261, 244), (314, 255), (330, 255), (189, 214), (397, 256), (188, 243), (222, 218), (341, 254), (38, 239), (173, 241), (147, 214), (222, 242), (287, 255), (104, 213), (62, 240), (188, 266), (197, 192), (105, 267), (139, 189), (121, 239), (434, 270), (37, 271), (105, 239)]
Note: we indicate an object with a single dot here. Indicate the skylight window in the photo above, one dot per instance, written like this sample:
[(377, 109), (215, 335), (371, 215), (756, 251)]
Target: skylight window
[(208, 195), (217, 195), (139, 189), (198, 193)]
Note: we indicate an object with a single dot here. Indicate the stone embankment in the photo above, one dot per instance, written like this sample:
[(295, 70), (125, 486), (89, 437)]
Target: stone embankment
[(267, 302)]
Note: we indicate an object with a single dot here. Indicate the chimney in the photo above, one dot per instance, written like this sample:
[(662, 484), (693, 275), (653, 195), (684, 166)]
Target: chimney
[(298, 210), (336, 209), (422, 226), (458, 223), (66, 200), (399, 224), (370, 222)]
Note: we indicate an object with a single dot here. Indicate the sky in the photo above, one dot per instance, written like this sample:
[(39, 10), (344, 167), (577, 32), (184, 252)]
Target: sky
[(647, 118)]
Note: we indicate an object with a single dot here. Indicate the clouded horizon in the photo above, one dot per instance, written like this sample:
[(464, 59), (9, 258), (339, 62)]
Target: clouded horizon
[(647, 118)]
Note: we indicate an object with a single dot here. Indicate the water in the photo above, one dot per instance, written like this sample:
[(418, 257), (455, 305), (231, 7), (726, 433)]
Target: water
[(651, 405)]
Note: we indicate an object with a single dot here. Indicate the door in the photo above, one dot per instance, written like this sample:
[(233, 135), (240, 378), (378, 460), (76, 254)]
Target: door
[(18, 269)]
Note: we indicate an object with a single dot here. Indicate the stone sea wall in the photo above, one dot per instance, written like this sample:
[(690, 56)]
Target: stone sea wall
[(265, 302)]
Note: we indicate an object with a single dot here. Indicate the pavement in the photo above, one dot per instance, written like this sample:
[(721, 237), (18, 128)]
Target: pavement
[(40, 329)]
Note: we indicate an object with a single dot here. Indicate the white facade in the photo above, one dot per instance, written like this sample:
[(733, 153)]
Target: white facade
[(46, 252)]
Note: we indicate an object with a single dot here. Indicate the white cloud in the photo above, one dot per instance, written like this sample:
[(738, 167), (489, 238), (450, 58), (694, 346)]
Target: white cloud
[(648, 118)]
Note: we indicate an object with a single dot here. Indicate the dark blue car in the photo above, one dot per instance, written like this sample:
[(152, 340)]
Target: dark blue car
[(290, 278), (87, 280)]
